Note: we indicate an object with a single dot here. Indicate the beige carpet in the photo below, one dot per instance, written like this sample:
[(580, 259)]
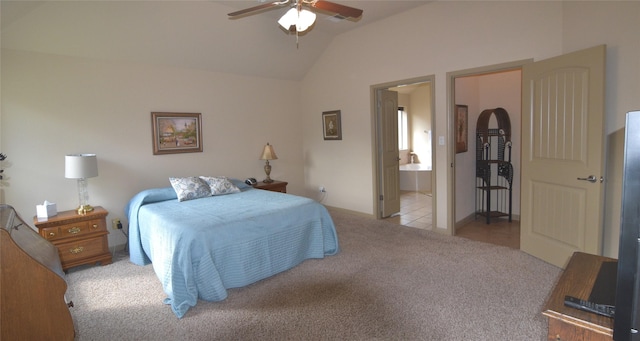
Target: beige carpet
[(388, 283)]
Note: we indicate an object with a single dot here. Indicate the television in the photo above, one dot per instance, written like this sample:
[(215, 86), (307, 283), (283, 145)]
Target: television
[(626, 323)]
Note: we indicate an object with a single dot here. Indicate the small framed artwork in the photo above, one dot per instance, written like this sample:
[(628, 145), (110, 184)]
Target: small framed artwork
[(331, 125), (462, 127), (176, 133)]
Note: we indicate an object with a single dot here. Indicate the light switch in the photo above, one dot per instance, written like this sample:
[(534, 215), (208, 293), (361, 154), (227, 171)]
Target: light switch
[(441, 140)]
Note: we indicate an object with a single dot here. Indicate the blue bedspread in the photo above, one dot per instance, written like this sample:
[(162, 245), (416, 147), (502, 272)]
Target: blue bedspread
[(199, 248)]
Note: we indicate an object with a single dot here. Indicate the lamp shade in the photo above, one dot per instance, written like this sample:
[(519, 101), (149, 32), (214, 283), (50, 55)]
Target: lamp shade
[(80, 166), (305, 19), (301, 19), (268, 153)]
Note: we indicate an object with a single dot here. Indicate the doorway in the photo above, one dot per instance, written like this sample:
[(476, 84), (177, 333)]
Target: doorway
[(416, 191), (497, 86)]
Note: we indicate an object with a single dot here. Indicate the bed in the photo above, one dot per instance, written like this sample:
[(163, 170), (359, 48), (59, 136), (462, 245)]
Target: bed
[(199, 248)]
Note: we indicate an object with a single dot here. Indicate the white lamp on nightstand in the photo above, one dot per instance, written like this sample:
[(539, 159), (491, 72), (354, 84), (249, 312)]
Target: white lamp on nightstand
[(81, 167)]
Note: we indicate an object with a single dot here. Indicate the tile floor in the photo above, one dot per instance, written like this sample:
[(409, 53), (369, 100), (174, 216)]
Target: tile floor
[(415, 211)]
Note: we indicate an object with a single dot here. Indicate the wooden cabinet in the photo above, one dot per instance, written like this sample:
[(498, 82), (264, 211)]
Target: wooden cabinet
[(275, 186), (577, 280), (32, 285), (80, 239)]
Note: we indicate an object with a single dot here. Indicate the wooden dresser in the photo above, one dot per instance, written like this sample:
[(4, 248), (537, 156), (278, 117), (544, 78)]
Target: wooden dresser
[(32, 285), (80, 239), (275, 186), (572, 324)]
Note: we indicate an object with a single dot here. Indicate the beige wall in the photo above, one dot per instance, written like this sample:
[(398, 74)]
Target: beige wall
[(420, 106), (57, 105), (417, 103), (446, 37), (359, 60)]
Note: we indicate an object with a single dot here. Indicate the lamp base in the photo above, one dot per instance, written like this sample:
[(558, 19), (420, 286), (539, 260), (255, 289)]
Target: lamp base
[(84, 209), (267, 170)]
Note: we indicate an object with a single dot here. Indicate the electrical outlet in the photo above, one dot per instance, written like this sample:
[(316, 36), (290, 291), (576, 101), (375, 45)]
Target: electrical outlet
[(321, 189), (115, 223)]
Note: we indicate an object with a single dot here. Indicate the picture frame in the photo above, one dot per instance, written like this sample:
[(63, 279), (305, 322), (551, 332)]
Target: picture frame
[(176, 132), (461, 124), (331, 125)]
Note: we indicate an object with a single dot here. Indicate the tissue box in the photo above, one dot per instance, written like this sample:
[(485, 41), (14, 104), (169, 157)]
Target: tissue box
[(48, 209)]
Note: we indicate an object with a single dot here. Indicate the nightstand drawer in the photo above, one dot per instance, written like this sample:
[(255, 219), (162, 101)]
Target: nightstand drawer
[(50, 233), (82, 249), (80, 228)]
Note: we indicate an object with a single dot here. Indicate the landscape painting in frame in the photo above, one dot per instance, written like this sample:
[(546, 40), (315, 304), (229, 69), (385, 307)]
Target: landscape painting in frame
[(331, 125), (176, 133)]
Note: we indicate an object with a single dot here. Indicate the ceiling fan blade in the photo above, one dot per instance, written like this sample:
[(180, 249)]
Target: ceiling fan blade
[(256, 8), (345, 11)]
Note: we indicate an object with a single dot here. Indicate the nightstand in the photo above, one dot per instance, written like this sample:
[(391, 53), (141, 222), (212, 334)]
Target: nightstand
[(275, 186), (80, 239)]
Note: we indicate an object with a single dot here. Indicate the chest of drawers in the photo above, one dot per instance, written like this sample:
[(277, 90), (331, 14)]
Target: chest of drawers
[(80, 239)]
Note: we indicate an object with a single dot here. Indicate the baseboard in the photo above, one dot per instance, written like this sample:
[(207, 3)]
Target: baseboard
[(464, 221), (344, 210)]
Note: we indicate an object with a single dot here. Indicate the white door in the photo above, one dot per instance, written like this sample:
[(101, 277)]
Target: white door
[(390, 186), (562, 143)]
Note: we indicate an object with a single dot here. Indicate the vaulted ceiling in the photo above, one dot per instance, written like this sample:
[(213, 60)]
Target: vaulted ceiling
[(186, 34)]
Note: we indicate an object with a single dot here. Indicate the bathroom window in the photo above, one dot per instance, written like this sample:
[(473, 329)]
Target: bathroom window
[(403, 129)]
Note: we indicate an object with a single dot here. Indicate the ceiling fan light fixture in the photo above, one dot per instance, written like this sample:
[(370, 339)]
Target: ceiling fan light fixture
[(305, 20), (302, 19), (289, 19)]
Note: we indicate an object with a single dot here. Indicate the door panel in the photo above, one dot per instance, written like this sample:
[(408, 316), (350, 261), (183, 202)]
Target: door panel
[(562, 140), (390, 154)]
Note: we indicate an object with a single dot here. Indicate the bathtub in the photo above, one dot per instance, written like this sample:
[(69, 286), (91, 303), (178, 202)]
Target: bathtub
[(415, 177)]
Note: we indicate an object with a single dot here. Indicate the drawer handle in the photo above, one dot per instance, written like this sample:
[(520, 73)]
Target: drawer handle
[(74, 230), (77, 250), (52, 234), (95, 226)]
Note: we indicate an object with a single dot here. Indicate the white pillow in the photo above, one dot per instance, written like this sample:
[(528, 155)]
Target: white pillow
[(220, 185), (190, 188)]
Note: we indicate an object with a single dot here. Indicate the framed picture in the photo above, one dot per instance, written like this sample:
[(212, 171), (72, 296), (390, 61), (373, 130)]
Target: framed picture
[(462, 127), (331, 125), (176, 133)]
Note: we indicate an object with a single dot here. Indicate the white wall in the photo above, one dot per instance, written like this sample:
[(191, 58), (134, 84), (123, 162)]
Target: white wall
[(420, 106), (444, 36), (55, 105), (417, 102), (467, 93)]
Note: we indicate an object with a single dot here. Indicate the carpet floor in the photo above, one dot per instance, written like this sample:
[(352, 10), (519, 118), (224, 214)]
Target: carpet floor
[(388, 282)]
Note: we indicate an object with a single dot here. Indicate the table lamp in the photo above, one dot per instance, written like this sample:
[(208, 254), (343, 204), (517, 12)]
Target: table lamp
[(268, 154), (81, 167)]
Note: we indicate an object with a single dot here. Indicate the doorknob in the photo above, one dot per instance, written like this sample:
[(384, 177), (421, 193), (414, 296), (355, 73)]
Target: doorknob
[(591, 178)]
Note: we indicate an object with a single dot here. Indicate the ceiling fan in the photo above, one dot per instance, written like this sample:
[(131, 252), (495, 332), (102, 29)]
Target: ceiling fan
[(298, 19)]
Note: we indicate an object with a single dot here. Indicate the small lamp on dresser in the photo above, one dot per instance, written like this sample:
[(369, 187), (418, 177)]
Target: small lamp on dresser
[(268, 154), (81, 167)]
